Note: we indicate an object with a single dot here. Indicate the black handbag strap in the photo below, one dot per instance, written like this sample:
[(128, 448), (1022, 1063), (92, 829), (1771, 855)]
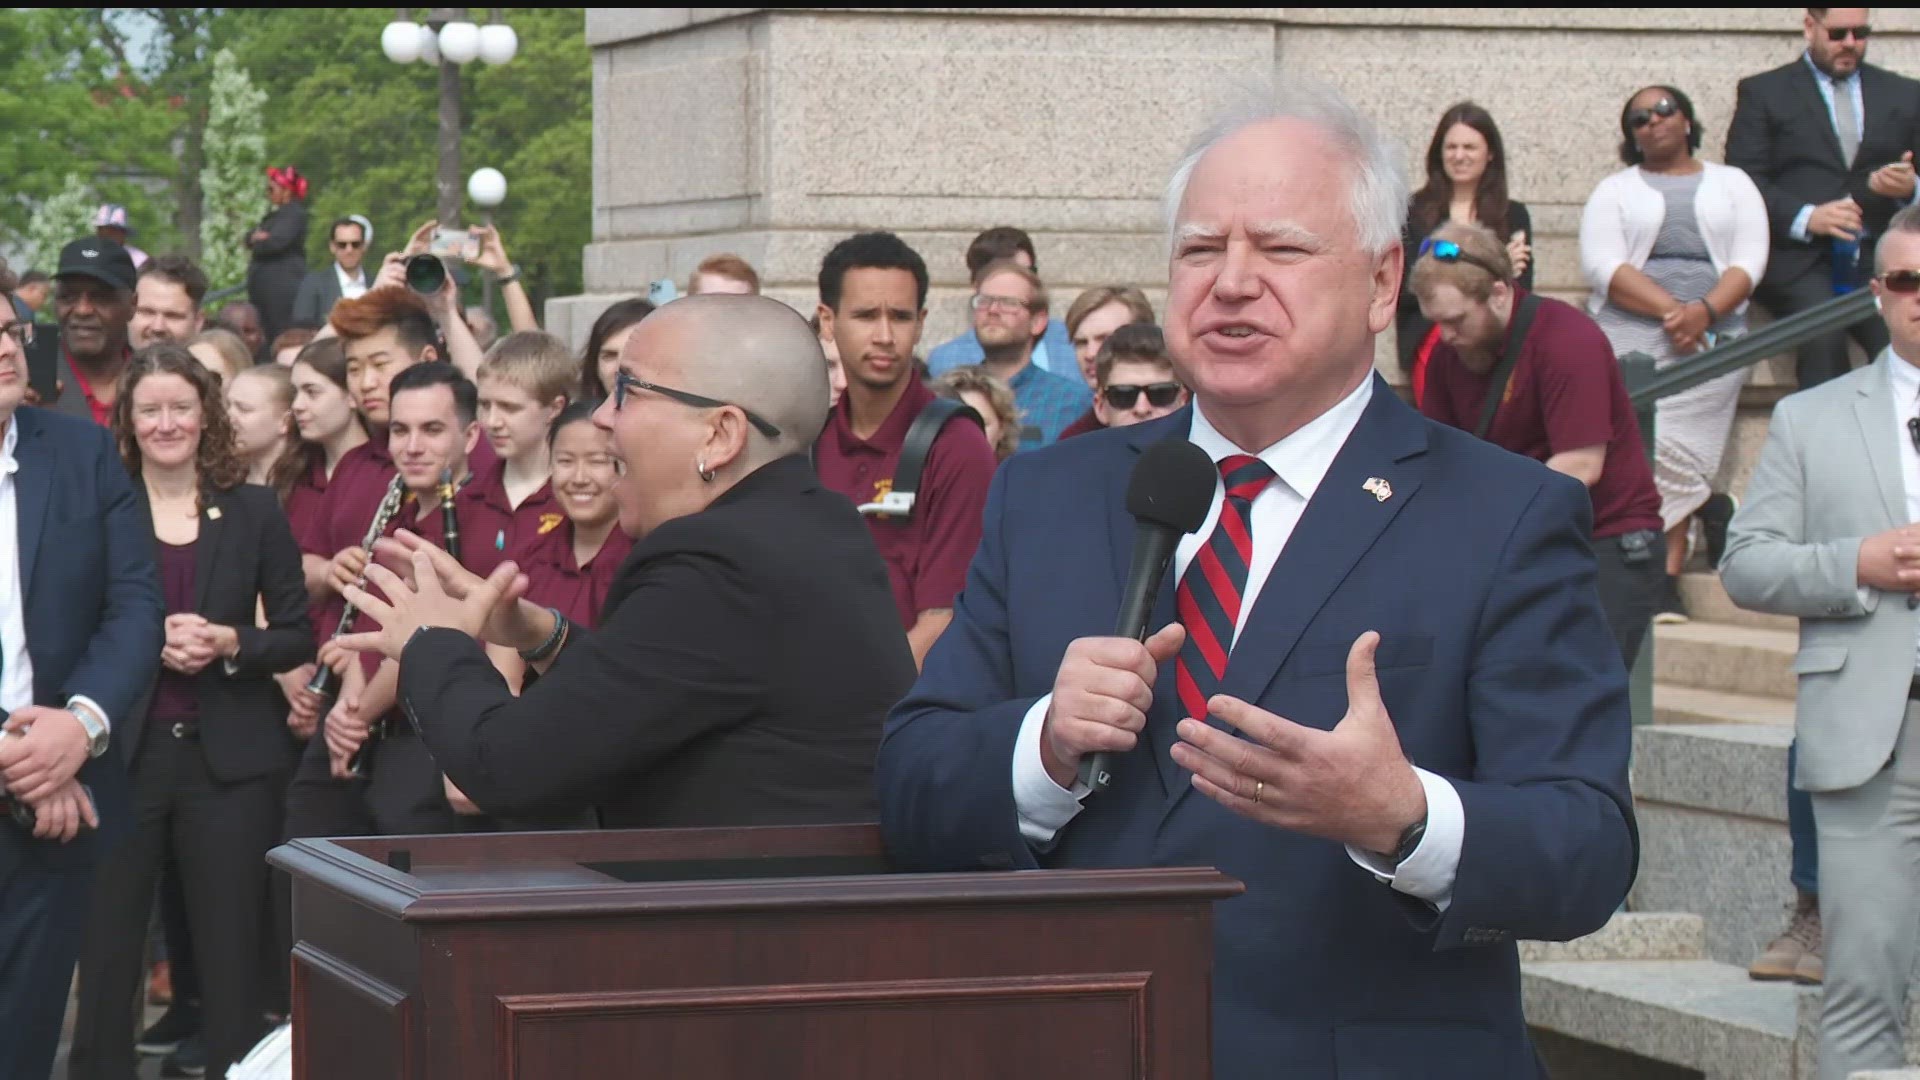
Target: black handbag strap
[(1516, 337), (919, 441)]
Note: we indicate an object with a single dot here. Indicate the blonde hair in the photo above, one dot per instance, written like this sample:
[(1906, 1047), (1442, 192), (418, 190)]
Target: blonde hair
[(534, 361), (1100, 296), (1483, 261), (975, 379), (228, 345)]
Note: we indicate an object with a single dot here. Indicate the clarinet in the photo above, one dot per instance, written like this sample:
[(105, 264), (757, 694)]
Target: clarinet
[(324, 682)]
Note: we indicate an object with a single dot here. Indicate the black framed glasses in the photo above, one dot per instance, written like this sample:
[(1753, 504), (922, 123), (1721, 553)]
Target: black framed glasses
[(1901, 281), (624, 382), (1125, 395), (20, 332), (1640, 118), (1838, 34), (1448, 251)]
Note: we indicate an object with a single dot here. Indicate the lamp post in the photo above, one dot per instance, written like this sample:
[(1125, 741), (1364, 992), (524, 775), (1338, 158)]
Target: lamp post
[(448, 39)]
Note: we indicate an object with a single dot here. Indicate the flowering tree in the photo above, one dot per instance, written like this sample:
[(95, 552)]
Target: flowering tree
[(231, 189), (61, 218)]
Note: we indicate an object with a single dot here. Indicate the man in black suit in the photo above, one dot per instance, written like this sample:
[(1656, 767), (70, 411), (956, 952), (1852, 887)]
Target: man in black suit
[(80, 638), (1829, 140), (345, 277), (749, 649)]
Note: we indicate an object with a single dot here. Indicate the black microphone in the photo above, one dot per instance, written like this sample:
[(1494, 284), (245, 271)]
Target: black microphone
[(1168, 495)]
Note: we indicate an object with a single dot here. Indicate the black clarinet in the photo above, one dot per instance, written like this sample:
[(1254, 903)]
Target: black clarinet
[(324, 682)]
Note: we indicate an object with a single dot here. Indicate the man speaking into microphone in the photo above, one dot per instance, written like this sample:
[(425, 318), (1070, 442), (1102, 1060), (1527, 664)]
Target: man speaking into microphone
[(1379, 688)]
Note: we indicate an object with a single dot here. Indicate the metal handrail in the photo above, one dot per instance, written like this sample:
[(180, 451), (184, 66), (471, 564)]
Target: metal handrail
[(218, 295), (1645, 386)]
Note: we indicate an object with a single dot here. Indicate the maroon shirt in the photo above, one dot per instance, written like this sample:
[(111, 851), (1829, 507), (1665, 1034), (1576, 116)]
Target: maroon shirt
[(175, 697), (555, 580), (346, 508), (539, 512), (304, 500), (927, 556), (1089, 422), (1566, 392)]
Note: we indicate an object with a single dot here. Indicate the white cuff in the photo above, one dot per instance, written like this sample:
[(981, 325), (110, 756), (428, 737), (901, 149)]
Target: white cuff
[(1428, 873), (1044, 806), (1798, 230), (82, 699)]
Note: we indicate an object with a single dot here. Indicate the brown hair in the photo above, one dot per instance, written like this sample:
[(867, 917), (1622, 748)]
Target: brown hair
[(328, 356), (1100, 296), (729, 266), (219, 468), (534, 361), (1137, 343), (997, 243), (975, 379), (620, 315), (228, 345), (295, 337), (1475, 282), (1490, 201), (1008, 266), (180, 270), (390, 305)]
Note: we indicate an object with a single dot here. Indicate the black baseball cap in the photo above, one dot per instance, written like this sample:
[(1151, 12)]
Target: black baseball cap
[(98, 258)]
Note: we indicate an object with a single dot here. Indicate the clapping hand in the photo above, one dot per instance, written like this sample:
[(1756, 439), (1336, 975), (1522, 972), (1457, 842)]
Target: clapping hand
[(1352, 784), (426, 602)]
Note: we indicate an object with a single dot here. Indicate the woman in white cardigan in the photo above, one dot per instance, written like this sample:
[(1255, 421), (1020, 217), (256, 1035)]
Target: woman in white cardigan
[(1672, 247)]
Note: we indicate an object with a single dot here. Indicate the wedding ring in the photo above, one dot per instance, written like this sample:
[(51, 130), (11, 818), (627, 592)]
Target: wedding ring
[(1258, 787)]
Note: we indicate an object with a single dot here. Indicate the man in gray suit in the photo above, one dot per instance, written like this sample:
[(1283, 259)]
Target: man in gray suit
[(345, 277), (1829, 534)]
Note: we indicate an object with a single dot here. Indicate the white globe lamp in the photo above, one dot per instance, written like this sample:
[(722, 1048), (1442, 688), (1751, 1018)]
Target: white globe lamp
[(401, 42), (429, 46), (460, 42), (498, 43), (487, 188)]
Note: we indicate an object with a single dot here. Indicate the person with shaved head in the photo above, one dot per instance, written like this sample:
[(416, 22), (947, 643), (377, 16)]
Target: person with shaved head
[(716, 690)]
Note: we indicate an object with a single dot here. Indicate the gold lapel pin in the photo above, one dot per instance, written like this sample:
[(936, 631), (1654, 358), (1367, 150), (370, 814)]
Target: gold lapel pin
[(1382, 491)]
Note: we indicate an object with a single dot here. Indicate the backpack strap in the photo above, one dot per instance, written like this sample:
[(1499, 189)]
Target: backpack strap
[(898, 503)]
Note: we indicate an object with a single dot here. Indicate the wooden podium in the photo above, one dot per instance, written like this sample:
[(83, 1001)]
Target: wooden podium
[(717, 954)]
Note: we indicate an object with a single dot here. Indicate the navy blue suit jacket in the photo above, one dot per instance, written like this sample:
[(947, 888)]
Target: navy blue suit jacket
[(1495, 663), (94, 614)]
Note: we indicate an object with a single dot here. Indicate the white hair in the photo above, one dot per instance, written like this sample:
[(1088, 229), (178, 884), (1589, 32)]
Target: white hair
[(1379, 183)]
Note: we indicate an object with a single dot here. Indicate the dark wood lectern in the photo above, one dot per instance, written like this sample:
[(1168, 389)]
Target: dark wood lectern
[(715, 954)]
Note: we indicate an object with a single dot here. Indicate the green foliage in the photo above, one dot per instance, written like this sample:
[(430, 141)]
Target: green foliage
[(236, 153), (361, 128), (60, 219)]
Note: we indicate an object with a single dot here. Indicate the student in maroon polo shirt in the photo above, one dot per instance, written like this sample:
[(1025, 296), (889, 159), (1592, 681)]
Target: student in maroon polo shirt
[(571, 566), (523, 385), (1565, 404), (873, 297)]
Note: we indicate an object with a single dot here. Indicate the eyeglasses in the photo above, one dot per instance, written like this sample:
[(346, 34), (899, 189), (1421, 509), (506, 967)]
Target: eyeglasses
[(1124, 396), (20, 332), (1640, 118), (1842, 33), (349, 245), (1901, 281), (623, 383), (1449, 252), (983, 302)]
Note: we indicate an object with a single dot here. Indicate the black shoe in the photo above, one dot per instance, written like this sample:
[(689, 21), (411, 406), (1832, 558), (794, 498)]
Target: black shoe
[(177, 1023), (189, 1060), (1671, 611), (1715, 515)]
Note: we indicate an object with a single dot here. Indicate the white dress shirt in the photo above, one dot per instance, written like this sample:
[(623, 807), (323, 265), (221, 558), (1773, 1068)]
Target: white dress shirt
[(1905, 379), (354, 287), (1299, 462)]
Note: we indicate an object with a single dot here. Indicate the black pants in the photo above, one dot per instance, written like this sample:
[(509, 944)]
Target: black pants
[(1824, 357), (1629, 592), (42, 913), (220, 834)]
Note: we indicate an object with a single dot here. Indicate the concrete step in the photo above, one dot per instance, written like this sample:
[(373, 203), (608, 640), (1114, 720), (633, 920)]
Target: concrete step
[(1707, 602), (1689, 705), (1718, 656), (1629, 935), (1694, 1013), (1711, 801)]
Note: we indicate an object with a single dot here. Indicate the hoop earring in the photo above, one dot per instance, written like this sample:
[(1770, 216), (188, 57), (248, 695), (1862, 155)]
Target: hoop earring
[(706, 474)]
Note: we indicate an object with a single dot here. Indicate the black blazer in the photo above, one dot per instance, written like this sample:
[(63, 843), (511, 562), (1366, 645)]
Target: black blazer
[(1409, 325), (1783, 137), (319, 291), (744, 666), (246, 550)]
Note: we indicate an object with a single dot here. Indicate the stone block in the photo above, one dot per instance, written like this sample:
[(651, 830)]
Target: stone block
[(1737, 659), (1738, 770), (1689, 705), (1730, 870), (1707, 599), (1629, 935)]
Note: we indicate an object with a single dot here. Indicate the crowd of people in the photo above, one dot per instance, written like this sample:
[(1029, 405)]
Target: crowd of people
[(689, 520)]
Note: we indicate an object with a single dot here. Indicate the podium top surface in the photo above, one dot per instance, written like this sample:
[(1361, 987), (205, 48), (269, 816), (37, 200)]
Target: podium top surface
[(495, 876)]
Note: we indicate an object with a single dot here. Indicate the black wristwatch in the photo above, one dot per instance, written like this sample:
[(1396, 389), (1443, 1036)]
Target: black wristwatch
[(1410, 841)]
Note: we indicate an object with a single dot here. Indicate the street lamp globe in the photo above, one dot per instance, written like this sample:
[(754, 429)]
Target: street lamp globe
[(460, 42), (429, 47), (487, 188), (401, 42), (498, 43)]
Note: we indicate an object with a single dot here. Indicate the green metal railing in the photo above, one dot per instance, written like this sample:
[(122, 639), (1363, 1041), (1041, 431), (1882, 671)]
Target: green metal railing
[(1646, 386)]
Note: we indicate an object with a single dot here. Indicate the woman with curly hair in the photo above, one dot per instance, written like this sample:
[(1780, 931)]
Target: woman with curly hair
[(210, 757), (991, 398)]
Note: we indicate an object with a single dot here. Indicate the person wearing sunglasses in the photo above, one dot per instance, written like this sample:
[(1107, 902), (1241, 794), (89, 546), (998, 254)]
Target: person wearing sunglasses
[(1134, 378), (344, 278), (1829, 139), (1828, 535), (1466, 183), (1671, 247), (748, 648)]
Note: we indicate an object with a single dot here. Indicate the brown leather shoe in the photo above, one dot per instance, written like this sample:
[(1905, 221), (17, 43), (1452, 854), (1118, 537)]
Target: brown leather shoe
[(1782, 958)]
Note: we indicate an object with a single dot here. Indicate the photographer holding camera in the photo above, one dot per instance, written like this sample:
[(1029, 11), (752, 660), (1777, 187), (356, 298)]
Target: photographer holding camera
[(423, 266)]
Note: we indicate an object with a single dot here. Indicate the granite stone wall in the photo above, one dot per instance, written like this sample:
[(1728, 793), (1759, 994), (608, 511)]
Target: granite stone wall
[(773, 133)]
